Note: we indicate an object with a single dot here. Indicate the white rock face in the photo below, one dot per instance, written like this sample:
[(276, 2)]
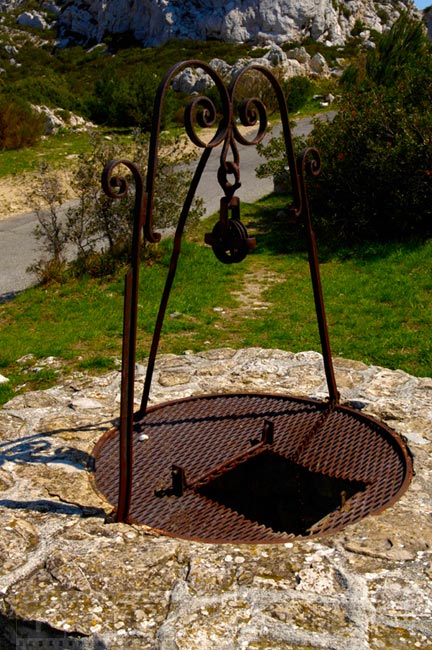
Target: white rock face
[(152, 22), (56, 119), (32, 19), (259, 21)]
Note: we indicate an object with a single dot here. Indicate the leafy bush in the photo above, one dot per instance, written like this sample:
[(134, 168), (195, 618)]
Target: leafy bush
[(20, 125), (127, 100), (97, 230), (298, 90), (376, 155)]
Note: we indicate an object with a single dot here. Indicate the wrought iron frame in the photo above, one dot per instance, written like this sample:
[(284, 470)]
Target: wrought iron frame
[(202, 110)]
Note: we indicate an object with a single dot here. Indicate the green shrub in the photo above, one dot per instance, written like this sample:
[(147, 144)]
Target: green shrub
[(127, 100), (298, 90), (20, 125), (358, 28), (377, 153), (383, 15), (377, 173), (376, 180)]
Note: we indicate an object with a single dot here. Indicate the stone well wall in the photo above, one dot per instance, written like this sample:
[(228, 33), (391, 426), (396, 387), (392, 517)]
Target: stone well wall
[(69, 577)]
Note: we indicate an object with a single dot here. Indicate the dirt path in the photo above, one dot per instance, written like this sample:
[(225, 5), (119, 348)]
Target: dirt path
[(249, 294), (13, 196), (15, 192)]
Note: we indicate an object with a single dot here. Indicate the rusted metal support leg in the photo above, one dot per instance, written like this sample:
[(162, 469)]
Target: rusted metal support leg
[(126, 407), (117, 187), (170, 279), (313, 168)]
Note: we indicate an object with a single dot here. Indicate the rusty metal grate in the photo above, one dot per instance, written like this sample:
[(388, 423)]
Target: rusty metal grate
[(255, 468)]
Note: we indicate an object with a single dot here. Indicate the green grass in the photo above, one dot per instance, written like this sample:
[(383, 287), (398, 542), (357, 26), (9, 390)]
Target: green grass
[(81, 322), (378, 310), (53, 150), (57, 151), (378, 306)]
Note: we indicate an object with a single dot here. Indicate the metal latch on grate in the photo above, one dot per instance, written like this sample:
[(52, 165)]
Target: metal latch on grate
[(247, 468)]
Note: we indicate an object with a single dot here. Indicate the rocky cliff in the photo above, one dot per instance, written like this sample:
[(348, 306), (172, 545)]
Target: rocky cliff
[(259, 21), (152, 22)]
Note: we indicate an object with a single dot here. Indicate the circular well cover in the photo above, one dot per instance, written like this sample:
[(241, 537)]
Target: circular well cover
[(255, 468)]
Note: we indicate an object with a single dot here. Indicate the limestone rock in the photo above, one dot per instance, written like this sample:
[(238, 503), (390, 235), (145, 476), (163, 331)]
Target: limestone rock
[(318, 64), (154, 21), (56, 119), (32, 19), (293, 63), (299, 54), (71, 577)]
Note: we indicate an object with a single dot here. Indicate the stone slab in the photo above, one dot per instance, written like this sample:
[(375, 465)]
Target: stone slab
[(70, 577)]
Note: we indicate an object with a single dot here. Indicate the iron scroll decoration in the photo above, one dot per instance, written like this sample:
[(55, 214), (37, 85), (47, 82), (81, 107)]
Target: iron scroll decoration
[(231, 243)]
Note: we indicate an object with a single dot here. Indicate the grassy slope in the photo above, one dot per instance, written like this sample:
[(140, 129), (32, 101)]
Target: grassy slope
[(378, 306)]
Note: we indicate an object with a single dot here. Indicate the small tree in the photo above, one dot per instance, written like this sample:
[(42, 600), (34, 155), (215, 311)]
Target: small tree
[(96, 227), (95, 222), (46, 199)]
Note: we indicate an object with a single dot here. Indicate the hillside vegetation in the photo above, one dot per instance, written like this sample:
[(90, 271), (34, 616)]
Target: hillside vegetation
[(381, 289), (376, 155), (111, 84)]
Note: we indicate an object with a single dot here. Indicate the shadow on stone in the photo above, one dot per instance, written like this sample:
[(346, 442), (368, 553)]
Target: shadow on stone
[(55, 507), (38, 449), (16, 634)]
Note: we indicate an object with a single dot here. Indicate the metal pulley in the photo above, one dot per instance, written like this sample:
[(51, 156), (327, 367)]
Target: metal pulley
[(229, 238)]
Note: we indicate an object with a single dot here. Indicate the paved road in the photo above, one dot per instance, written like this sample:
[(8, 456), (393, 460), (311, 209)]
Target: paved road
[(19, 249)]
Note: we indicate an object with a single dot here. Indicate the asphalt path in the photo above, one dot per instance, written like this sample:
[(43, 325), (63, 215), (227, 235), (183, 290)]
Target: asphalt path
[(19, 248)]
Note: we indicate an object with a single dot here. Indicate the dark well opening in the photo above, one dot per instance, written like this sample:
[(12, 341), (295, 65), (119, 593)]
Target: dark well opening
[(280, 494)]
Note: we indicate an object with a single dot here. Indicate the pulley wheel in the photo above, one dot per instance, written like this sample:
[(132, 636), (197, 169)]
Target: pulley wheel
[(229, 242)]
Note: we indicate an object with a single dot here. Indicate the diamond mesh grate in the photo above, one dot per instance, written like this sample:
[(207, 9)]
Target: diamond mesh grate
[(322, 468)]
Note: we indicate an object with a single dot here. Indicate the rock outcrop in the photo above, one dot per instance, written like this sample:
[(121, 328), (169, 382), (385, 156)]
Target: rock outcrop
[(152, 22), (57, 119), (69, 577), (295, 62)]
